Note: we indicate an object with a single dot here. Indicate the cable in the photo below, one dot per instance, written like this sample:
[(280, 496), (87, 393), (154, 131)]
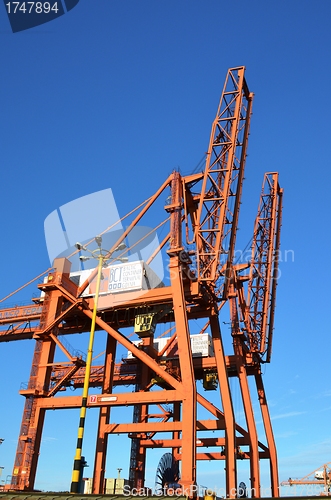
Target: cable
[(26, 284), (73, 253)]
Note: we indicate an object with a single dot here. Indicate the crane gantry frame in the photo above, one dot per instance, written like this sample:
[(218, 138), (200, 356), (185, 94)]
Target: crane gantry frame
[(320, 477), (203, 218)]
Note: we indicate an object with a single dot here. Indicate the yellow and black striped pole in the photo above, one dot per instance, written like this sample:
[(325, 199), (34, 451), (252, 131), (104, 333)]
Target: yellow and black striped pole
[(75, 480)]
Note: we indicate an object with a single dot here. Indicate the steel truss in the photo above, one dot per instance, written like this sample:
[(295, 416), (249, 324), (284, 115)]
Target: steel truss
[(203, 216)]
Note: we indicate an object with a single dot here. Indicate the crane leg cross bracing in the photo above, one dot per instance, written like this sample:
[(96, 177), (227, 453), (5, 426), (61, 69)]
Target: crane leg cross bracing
[(167, 374)]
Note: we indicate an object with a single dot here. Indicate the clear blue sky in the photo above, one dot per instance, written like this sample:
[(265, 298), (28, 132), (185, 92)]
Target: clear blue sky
[(118, 94)]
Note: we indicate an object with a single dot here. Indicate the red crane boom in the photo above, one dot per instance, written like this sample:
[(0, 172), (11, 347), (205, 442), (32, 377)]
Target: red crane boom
[(202, 219)]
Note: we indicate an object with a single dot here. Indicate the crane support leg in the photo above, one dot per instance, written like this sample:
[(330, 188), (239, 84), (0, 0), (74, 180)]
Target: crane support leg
[(141, 466), (248, 409), (188, 385), (37, 431), (140, 412), (269, 435), (102, 437), (101, 451), (176, 434), (27, 454), (230, 444), (188, 454)]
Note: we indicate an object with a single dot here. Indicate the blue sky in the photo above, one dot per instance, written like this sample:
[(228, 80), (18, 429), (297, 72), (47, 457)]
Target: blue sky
[(118, 94)]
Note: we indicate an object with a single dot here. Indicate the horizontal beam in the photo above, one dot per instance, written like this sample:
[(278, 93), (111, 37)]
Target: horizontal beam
[(121, 399), (136, 398), (318, 482), (125, 373), (200, 442), (145, 427), (177, 443), (219, 456), (20, 314), (25, 333), (210, 456), (59, 403), (211, 425)]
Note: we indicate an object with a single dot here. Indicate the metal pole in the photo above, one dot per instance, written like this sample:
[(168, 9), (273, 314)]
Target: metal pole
[(78, 456), (1, 468)]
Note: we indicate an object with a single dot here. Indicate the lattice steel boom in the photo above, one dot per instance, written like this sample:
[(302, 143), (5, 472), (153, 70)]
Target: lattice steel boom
[(160, 377)]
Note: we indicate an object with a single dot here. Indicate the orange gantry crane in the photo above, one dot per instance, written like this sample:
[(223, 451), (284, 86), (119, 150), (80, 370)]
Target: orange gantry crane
[(318, 478), (202, 214)]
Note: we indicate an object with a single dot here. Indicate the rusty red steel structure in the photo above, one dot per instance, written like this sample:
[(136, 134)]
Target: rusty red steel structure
[(319, 478), (203, 217)]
